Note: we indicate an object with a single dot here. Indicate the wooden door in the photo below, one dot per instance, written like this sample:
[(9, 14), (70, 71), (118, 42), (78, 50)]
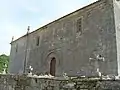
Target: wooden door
[(53, 66)]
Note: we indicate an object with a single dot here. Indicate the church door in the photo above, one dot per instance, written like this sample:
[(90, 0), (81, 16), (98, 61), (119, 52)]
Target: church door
[(53, 66)]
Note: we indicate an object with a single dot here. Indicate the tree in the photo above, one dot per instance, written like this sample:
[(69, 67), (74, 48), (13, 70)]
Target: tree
[(4, 59)]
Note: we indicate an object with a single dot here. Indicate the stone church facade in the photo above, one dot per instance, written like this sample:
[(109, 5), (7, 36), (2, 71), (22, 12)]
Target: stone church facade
[(81, 43)]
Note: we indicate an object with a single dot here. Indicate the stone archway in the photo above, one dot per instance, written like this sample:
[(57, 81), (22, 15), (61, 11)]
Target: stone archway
[(52, 63), (53, 66)]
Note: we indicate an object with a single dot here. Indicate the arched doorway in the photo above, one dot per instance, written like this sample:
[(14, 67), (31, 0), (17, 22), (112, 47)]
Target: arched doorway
[(53, 66)]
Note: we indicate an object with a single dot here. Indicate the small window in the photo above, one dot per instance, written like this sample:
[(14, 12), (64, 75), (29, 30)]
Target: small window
[(16, 48), (37, 41), (79, 25)]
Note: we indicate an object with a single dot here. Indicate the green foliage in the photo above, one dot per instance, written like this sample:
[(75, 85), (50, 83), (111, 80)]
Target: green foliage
[(4, 59)]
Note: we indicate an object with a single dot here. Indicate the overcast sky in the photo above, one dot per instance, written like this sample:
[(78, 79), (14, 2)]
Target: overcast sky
[(16, 15)]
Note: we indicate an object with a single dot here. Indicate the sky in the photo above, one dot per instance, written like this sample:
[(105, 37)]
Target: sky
[(17, 15)]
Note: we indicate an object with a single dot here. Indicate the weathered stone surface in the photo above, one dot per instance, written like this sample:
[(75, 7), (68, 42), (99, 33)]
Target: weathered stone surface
[(76, 53), (117, 26), (55, 84)]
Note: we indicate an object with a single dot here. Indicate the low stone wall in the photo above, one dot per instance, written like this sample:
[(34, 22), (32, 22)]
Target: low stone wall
[(15, 82)]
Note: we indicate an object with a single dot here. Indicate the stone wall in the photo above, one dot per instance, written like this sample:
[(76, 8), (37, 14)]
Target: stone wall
[(14, 82), (117, 26)]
